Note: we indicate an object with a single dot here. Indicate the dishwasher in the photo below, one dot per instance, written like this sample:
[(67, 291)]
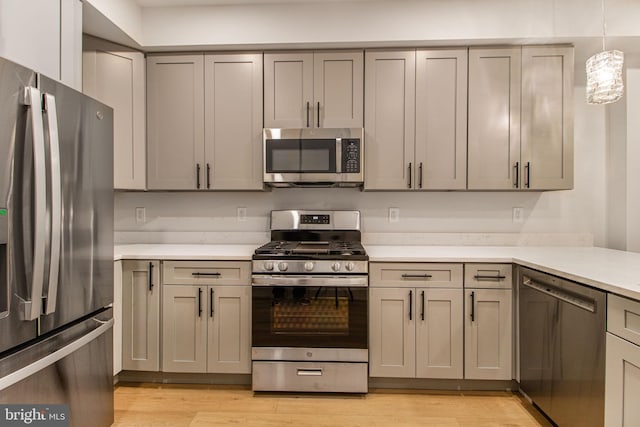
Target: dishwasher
[(562, 347)]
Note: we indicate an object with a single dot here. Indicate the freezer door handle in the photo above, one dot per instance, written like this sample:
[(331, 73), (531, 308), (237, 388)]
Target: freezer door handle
[(40, 364), (33, 307), (56, 202)]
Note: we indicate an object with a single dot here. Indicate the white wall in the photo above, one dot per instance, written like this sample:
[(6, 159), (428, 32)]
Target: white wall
[(633, 160), (574, 217)]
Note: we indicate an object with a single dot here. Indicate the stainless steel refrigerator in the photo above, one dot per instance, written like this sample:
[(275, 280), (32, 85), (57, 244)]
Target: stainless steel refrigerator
[(56, 247)]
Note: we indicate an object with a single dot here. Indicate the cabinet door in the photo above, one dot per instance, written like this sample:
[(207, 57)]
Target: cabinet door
[(184, 328), (233, 122), (494, 119), (439, 333), (441, 119), (547, 117), (115, 76), (622, 383), (389, 120), (392, 347), (488, 334), (337, 91), (141, 315), (229, 329), (175, 122), (288, 90)]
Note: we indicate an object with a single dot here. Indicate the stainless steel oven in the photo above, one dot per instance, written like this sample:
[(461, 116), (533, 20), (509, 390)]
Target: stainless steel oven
[(313, 157), (310, 305)]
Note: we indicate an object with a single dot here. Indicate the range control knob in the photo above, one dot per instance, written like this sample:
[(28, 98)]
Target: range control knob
[(308, 266), (268, 266), (349, 266), (335, 266), (283, 266)]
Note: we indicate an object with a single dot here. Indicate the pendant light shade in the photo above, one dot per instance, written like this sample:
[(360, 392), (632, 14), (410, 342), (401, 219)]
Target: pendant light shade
[(604, 77), (604, 73)]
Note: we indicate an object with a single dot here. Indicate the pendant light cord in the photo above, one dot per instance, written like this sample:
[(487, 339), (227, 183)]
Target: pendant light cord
[(604, 27)]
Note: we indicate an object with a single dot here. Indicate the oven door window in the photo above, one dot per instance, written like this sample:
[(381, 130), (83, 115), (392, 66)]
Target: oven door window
[(292, 316), (300, 156)]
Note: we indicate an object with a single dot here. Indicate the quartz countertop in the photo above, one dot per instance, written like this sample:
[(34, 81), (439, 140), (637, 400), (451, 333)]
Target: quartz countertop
[(606, 269)]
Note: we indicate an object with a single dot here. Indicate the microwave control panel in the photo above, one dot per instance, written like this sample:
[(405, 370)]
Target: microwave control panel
[(350, 156)]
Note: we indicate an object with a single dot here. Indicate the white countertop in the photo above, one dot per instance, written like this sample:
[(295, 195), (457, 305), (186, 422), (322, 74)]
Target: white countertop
[(606, 269)]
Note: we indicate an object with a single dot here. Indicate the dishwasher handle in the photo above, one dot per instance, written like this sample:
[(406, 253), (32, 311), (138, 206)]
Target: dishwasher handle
[(584, 304)]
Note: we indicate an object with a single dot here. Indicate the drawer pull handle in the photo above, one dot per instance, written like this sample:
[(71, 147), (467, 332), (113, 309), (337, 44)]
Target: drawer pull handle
[(309, 372), (484, 277), (416, 276), (198, 274)]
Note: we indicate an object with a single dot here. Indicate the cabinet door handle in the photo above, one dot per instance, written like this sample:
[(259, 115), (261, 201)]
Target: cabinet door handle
[(199, 302), (473, 308), (318, 113), (416, 276), (422, 309), (150, 276), (527, 169), (208, 176), (198, 274), (420, 180), (516, 175), (483, 277), (409, 185), (211, 302), (307, 113), (198, 175), (410, 305)]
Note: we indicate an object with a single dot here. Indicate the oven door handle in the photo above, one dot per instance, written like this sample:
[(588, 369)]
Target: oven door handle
[(337, 281)]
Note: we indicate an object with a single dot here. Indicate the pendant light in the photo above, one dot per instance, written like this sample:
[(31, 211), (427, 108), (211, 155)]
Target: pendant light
[(604, 73)]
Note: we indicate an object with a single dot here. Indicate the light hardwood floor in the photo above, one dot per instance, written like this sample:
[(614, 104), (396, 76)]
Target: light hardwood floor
[(196, 406)]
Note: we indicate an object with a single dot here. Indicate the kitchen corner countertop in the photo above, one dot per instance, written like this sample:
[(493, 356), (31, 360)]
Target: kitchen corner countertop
[(185, 252), (607, 269)]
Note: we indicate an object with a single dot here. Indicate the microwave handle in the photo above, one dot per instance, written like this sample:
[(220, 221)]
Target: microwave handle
[(338, 155)]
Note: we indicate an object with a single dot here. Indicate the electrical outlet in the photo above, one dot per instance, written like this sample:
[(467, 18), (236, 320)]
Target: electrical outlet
[(518, 215), (394, 214), (241, 214), (141, 215)]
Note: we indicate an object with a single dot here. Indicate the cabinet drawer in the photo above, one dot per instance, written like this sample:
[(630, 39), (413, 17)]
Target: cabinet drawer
[(206, 273), (408, 274), (623, 318), (490, 276)]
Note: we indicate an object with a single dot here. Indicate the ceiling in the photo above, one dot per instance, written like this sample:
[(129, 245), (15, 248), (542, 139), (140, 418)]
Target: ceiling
[(168, 3)]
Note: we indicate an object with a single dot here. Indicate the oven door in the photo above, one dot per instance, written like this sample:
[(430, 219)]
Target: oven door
[(310, 312)]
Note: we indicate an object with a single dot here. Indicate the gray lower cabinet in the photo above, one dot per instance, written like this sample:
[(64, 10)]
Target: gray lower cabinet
[(141, 315), (622, 378), (204, 122), (206, 329), (206, 316), (415, 320)]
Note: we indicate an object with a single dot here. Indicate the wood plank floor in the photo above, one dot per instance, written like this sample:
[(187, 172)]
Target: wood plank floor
[(198, 406)]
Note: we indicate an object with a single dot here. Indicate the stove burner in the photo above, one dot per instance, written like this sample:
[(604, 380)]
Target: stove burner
[(291, 248)]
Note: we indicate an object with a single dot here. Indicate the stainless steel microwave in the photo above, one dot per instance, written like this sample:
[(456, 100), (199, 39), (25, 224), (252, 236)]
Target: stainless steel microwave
[(318, 157)]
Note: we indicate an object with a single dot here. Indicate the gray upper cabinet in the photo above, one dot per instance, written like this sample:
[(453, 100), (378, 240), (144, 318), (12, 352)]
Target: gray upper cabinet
[(389, 119), (521, 118), (313, 89), (114, 75), (441, 120), (416, 120), (547, 117), (233, 122), (205, 122), (494, 118), (175, 122)]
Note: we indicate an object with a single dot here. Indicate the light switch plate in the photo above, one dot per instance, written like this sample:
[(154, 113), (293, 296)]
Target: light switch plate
[(394, 214), (518, 215), (141, 215), (241, 214)]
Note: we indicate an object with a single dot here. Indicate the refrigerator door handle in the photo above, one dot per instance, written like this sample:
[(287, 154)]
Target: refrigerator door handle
[(33, 308), (56, 202), (40, 364)]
